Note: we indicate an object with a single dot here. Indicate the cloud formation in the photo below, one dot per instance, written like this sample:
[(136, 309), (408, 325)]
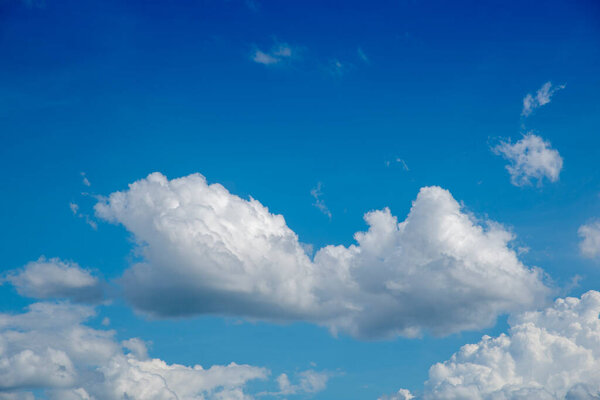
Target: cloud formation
[(207, 251), (48, 348), (542, 97), (590, 243), (548, 354), (279, 52), (56, 279), (530, 158), (309, 381), (317, 194)]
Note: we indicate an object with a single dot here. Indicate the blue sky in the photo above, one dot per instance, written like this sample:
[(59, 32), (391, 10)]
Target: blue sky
[(371, 101)]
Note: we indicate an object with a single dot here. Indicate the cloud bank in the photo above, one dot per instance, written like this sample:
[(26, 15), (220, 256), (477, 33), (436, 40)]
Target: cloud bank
[(530, 158), (548, 354), (206, 251), (48, 348)]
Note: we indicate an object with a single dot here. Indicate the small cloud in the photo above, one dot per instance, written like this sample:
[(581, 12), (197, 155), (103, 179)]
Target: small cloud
[(542, 97), (74, 208), (402, 394), (530, 157), (362, 55), (317, 193), (590, 243), (88, 220), (336, 67), (264, 58), (105, 321), (85, 180), (56, 279), (279, 53), (309, 381), (137, 347), (399, 161)]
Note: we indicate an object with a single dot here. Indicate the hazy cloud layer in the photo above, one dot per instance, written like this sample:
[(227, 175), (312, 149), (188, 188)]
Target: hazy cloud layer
[(206, 250), (530, 158), (549, 354), (56, 279)]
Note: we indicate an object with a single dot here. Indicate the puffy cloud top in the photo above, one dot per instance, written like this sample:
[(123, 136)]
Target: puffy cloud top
[(530, 158), (548, 354), (53, 278), (206, 250)]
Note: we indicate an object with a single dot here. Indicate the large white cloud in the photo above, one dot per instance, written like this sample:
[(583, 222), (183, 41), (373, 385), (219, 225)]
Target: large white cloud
[(590, 239), (530, 158), (548, 354), (53, 278), (49, 348), (205, 250)]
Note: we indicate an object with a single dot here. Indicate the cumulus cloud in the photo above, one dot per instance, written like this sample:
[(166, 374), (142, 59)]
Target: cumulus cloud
[(530, 158), (53, 278), (207, 251), (590, 243), (309, 381), (280, 52), (542, 97), (548, 354), (49, 348)]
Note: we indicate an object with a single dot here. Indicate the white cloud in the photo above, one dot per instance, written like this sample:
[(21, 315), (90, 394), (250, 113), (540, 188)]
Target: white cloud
[(530, 158), (317, 194), (207, 251), (402, 394), (279, 52), (53, 278), (85, 180), (548, 354), (309, 381), (590, 243), (542, 97), (49, 348)]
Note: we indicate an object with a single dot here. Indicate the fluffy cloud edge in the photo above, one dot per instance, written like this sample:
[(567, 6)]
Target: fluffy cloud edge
[(553, 353), (253, 265)]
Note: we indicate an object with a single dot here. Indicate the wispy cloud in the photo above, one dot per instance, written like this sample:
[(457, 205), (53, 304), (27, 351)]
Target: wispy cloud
[(85, 180), (399, 161), (88, 220), (317, 193), (278, 53), (362, 55), (542, 97)]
